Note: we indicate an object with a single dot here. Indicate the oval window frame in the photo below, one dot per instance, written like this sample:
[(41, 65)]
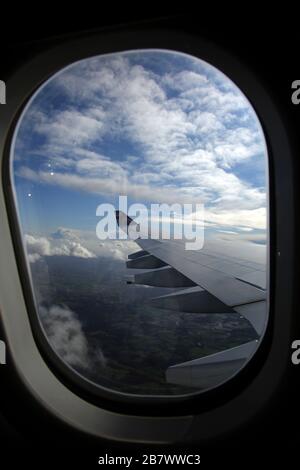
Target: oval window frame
[(262, 105)]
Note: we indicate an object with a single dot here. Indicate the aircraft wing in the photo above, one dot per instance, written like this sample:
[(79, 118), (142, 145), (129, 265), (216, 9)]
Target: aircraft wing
[(225, 276)]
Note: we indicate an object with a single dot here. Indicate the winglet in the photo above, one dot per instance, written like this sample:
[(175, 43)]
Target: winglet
[(123, 218)]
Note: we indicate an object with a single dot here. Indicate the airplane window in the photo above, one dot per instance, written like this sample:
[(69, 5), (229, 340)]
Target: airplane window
[(140, 185)]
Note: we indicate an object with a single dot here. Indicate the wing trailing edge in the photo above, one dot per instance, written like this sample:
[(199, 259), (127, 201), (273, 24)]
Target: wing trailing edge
[(211, 370)]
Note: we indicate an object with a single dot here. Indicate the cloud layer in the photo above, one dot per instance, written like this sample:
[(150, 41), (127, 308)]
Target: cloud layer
[(120, 125), (64, 242), (65, 333), (69, 242)]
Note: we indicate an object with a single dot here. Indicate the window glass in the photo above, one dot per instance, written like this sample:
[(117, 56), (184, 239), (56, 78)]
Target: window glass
[(140, 184)]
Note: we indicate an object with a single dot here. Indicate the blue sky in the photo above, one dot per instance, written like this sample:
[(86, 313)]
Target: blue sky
[(155, 125)]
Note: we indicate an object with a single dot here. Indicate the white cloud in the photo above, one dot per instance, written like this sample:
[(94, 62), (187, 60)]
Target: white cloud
[(242, 219), (71, 126), (64, 242), (185, 80), (228, 231), (117, 250), (106, 187), (37, 247), (188, 131), (71, 248), (80, 243), (65, 334)]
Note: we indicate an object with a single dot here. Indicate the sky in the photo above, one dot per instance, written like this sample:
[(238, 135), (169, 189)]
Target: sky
[(157, 126)]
